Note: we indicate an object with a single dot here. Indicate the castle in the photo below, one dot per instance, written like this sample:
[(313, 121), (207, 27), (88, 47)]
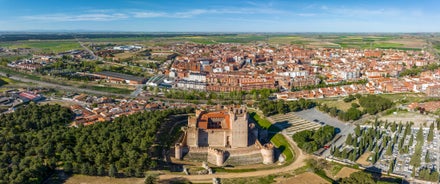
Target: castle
[(223, 136)]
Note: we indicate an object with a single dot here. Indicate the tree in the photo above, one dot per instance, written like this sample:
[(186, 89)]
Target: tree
[(391, 168), (357, 131), (355, 105), (427, 159), (68, 168), (393, 127), (389, 150), (101, 171), (151, 179), (113, 171), (358, 177), (349, 140), (430, 137)]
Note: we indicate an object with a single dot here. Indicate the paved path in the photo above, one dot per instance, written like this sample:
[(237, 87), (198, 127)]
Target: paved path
[(300, 158)]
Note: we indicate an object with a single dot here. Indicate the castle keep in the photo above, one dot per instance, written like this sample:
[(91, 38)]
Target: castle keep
[(228, 128)]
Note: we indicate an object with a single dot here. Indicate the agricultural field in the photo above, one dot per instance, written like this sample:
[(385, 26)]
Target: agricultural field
[(306, 40), (306, 178), (77, 178), (382, 42), (44, 46)]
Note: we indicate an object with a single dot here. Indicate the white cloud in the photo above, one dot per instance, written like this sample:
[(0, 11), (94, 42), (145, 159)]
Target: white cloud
[(81, 17), (306, 14), (149, 14), (197, 12)]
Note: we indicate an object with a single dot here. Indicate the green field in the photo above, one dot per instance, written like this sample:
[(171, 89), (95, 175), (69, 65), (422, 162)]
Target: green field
[(121, 39), (46, 46), (313, 40)]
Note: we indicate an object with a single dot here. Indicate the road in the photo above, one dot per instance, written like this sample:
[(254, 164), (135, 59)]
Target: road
[(88, 50), (138, 90), (345, 128), (300, 158)]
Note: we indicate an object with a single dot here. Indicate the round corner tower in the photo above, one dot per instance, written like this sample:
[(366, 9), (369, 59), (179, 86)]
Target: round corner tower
[(178, 151), (267, 152)]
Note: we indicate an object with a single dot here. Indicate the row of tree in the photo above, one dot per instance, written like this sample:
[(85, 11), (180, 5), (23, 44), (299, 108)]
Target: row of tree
[(322, 84), (203, 95), (280, 107)]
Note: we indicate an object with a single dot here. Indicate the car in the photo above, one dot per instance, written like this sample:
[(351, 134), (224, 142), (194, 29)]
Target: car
[(315, 120)]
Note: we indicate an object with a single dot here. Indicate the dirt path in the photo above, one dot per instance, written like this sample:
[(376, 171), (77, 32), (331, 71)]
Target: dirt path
[(300, 158)]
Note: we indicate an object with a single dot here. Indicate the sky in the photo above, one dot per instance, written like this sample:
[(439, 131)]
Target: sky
[(221, 15)]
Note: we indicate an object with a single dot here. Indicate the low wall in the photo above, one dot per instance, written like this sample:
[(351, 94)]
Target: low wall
[(241, 156), (254, 158)]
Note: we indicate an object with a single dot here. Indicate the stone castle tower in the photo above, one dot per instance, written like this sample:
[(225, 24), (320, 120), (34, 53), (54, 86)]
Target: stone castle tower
[(216, 156), (239, 127), (267, 151)]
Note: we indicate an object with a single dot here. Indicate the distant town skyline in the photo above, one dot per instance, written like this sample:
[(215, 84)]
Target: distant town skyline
[(221, 16)]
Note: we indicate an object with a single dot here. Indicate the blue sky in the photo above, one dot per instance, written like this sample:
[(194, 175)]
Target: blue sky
[(221, 15)]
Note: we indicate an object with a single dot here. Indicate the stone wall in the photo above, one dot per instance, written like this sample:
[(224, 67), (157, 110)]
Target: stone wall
[(253, 158), (213, 138)]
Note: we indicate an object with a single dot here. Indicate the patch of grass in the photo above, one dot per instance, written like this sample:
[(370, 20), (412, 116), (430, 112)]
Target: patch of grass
[(339, 104), (221, 169), (264, 123), (8, 80), (278, 140), (108, 89), (335, 168), (253, 180), (301, 170), (2, 82)]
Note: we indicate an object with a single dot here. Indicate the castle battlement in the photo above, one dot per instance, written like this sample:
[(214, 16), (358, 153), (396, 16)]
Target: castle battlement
[(215, 151)]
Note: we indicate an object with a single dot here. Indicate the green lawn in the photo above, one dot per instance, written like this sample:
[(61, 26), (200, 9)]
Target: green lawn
[(280, 142), (277, 140)]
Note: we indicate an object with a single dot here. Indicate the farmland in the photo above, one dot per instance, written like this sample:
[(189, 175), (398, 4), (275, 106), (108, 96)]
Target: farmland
[(44, 46)]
